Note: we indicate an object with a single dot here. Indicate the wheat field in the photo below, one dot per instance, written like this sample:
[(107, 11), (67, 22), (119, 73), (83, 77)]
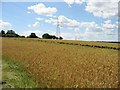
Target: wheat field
[(56, 65)]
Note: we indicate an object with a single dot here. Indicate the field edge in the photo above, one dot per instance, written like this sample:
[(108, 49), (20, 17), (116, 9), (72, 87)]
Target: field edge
[(15, 75)]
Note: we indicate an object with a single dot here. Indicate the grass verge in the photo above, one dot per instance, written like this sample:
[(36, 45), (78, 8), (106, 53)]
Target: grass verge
[(15, 75)]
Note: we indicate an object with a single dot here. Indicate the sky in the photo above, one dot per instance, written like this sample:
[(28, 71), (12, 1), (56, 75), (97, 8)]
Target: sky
[(88, 20)]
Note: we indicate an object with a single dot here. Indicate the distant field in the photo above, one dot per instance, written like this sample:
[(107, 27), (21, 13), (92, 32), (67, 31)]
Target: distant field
[(66, 64), (106, 45)]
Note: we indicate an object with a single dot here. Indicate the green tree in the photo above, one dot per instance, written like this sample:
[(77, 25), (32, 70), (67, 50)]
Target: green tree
[(11, 33), (2, 33), (32, 35), (46, 36), (60, 38)]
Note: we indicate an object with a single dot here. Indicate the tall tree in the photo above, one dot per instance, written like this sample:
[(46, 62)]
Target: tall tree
[(2, 33), (10, 32), (46, 36), (32, 35), (60, 38)]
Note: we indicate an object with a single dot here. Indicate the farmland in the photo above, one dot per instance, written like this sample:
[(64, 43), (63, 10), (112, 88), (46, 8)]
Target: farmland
[(66, 64)]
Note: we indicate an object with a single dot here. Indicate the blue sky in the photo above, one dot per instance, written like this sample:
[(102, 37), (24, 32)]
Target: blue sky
[(78, 20)]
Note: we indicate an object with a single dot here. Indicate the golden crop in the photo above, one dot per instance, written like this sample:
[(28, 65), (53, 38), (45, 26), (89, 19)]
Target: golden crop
[(60, 65)]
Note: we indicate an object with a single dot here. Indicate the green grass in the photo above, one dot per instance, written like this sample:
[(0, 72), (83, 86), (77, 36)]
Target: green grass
[(16, 76)]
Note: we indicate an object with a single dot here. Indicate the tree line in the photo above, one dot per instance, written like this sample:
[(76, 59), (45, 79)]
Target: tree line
[(47, 36), (11, 33)]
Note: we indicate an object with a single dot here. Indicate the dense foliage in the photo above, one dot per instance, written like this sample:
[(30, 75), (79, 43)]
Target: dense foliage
[(11, 33), (47, 36), (32, 35)]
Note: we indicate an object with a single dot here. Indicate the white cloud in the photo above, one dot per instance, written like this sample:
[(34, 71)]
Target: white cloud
[(70, 2), (107, 21), (70, 23), (29, 25), (108, 25), (103, 32), (91, 28), (51, 21), (79, 1), (35, 24), (55, 16), (92, 31), (4, 24), (104, 9), (68, 36), (86, 30), (28, 12), (88, 24), (40, 19), (41, 9), (64, 22)]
